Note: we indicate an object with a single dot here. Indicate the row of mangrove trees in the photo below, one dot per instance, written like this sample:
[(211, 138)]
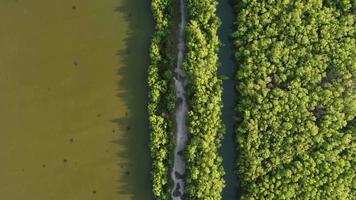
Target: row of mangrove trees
[(204, 169), (204, 178), (161, 106)]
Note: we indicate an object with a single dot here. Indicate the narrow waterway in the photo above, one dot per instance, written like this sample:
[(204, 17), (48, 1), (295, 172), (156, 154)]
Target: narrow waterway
[(228, 68), (181, 130)]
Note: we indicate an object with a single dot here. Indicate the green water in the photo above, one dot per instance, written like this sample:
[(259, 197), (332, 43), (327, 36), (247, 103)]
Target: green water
[(73, 98)]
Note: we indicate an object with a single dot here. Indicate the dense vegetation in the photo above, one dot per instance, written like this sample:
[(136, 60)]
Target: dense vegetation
[(162, 98), (297, 101), (204, 165)]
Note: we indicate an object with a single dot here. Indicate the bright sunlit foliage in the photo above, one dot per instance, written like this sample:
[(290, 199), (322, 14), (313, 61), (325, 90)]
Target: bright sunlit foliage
[(204, 165), (161, 106), (297, 100)]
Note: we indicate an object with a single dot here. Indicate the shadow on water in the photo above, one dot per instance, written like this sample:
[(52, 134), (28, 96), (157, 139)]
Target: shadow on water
[(133, 156), (228, 68)]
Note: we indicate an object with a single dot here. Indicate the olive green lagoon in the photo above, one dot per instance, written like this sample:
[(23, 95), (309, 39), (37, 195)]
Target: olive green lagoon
[(73, 100)]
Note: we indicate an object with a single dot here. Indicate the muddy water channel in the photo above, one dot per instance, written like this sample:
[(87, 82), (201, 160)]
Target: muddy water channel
[(178, 170), (73, 98)]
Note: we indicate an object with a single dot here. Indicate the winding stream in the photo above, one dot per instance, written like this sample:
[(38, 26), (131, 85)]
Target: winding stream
[(181, 131)]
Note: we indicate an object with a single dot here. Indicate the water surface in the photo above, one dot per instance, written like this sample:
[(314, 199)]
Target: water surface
[(228, 68), (73, 98)]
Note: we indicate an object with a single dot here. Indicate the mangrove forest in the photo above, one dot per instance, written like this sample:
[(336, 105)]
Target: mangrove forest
[(178, 100)]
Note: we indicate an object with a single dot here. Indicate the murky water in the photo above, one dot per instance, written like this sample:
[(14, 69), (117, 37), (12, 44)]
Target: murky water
[(72, 108), (228, 68), (178, 171)]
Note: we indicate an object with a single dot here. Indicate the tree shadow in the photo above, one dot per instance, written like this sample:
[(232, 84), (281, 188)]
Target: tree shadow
[(133, 156), (228, 68)]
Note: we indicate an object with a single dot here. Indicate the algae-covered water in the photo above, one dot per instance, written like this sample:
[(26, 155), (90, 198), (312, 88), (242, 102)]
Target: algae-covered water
[(73, 98)]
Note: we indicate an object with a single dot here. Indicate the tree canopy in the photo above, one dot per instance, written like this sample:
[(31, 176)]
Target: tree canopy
[(204, 165), (161, 105), (297, 101)]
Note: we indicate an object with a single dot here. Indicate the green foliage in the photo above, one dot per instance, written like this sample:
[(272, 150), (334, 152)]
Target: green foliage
[(204, 165), (162, 99), (297, 100)]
